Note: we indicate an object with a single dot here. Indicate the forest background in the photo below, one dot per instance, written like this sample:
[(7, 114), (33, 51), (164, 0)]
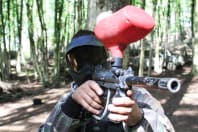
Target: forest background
[(35, 33)]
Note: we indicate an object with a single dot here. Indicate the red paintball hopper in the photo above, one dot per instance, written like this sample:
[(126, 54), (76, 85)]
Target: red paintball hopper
[(127, 25)]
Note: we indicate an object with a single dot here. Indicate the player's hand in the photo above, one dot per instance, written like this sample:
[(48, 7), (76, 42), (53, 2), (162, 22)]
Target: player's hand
[(125, 109), (87, 95)]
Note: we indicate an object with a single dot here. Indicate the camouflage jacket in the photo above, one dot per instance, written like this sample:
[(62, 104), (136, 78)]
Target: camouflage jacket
[(67, 117)]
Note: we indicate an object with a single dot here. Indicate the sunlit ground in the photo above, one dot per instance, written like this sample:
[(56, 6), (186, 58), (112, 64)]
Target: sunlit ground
[(22, 116)]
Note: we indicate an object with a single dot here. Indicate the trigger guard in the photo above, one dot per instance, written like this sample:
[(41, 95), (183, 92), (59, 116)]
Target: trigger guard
[(104, 113)]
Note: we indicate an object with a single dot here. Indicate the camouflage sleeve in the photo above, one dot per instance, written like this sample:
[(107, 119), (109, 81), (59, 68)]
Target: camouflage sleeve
[(154, 119), (58, 121)]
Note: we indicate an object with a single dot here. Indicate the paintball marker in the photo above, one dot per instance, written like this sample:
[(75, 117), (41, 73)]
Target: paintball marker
[(116, 82), (132, 24)]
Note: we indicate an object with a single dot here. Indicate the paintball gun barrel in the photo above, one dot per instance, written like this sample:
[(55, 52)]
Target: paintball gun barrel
[(171, 84)]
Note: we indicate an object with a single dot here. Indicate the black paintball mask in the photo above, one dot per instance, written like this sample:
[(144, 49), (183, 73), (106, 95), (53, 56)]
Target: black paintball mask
[(82, 55)]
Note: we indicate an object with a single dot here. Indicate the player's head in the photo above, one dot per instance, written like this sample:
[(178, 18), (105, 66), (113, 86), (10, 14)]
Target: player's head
[(83, 53)]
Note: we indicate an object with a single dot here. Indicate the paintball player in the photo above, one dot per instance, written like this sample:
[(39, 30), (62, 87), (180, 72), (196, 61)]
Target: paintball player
[(138, 111)]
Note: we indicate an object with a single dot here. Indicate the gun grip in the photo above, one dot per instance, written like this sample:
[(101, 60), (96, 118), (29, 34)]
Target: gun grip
[(106, 100)]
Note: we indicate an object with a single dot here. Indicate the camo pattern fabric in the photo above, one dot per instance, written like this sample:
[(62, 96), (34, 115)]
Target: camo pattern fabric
[(154, 118)]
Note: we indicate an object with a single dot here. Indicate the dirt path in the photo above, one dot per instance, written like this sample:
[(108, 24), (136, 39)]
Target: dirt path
[(182, 108), (23, 116)]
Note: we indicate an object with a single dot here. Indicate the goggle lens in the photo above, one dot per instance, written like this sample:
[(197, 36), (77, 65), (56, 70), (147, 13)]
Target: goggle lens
[(92, 55)]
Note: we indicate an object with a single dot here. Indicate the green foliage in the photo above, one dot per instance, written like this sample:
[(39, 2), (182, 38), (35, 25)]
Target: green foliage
[(43, 33)]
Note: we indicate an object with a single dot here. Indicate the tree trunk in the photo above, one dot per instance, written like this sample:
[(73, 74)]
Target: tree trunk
[(29, 5), (152, 41), (141, 61), (19, 14), (168, 17), (194, 19), (95, 7), (141, 66), (57, 36), (4, 53), (43, 43), (157, 65)]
